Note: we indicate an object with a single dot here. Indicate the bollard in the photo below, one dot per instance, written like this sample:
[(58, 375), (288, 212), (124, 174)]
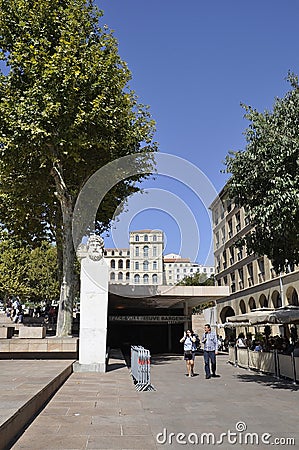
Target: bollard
[(294, 368), (236, 356), (276, 364)]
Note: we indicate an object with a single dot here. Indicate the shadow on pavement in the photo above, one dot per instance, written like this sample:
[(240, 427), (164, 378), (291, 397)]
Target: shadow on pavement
[(115, 366), (165, 359), (267, 380)]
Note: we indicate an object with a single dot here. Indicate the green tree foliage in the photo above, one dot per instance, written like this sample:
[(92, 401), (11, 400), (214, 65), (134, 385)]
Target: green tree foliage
[(28, 273), (198, 279), (65, 111), (43, 273), (14, 265), (265, 179)]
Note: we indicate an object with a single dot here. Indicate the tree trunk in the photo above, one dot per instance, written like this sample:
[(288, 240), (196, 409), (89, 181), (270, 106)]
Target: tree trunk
[(65, 311)]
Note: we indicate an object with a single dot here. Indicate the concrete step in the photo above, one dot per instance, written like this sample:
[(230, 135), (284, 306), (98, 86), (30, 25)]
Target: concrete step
[(25, 388), (41, 348)]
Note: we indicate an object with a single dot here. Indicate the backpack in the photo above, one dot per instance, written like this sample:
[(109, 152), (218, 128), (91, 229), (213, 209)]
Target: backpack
[(197, 341)]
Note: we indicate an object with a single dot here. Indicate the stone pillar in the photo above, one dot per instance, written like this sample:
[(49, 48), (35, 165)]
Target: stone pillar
[(169, 336), (93, 309), (186, 312)]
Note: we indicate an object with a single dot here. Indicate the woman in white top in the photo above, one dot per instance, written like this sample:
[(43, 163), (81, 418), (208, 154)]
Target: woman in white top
[(189, 351)]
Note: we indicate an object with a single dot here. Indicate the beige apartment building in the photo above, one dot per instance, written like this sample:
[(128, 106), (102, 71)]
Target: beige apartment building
[(144, 264), (146, 256), (252, 280)]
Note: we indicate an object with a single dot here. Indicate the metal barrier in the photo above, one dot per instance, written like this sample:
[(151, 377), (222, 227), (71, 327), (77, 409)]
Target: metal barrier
[(141, 368), (272, 362)]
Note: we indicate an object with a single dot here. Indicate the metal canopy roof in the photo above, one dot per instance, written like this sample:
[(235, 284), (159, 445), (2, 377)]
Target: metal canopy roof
[(147, 297)]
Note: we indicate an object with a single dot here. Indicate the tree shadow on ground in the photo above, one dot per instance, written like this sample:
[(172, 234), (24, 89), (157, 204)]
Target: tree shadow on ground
[(267, 380), (165, 359), (115, 366)]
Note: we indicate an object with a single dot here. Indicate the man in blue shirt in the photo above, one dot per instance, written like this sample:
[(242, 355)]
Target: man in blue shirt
[(210, 350)]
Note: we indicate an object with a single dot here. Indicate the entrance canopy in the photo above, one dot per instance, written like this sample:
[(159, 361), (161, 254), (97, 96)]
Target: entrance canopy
[(255, 316), (148, 297), (283, 315)]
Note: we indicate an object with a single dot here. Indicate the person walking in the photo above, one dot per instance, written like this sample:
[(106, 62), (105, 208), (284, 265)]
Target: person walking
[(189, 340), (210, 350)]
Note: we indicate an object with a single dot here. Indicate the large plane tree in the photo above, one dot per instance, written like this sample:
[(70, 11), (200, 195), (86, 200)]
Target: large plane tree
[(65, 111), (265, 179)]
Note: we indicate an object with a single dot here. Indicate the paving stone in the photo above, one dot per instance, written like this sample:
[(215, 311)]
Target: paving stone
[(103, 411)]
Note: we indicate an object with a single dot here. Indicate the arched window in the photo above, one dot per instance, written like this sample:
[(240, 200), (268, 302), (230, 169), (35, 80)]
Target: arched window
[(145, 265), (112, 276), (120, 276), (136, 251), (155, 238), (136, 238), (120, 264), (154, 251), (128, 276), (128, 252), (136, 279), (155, 265), (136, 265), (120, 253), (145, 251), (127, 264), (145, 238), (155, 278), (112, 264), (145, 279), (112, 252)]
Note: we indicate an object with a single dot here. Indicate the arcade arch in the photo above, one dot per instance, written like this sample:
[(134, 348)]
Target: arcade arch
[(276, 299), (251, 304), (226, 312), (242, 307), (263, 301), (292, 296)]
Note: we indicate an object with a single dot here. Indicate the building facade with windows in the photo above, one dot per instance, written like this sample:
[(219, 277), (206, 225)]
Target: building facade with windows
[(143, 263), (177, 268), (252, 279), (146, 257), (119, 264)]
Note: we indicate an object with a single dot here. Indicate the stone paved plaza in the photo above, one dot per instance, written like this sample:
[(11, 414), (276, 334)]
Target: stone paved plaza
[(103, 411)]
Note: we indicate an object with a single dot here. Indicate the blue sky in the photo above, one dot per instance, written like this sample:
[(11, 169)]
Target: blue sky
[(193, 62)]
